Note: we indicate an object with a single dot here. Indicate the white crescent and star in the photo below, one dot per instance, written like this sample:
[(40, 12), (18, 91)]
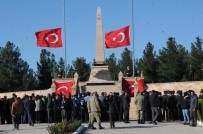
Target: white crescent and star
[(131, 86), (56, 38), (122, 39), (63, 87)]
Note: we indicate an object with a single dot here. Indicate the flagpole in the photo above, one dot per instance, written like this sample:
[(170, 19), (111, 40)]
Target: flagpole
[(64, 31), (133, 53)]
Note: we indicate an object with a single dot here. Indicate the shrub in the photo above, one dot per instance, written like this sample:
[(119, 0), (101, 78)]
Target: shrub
[(63, 127), (73, 126)]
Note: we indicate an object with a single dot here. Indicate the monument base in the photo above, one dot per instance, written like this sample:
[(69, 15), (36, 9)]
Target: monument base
[(100, 75)]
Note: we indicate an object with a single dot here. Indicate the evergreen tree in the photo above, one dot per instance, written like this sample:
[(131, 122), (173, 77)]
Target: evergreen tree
[(15, 72), (71, 72), (196, 60), (149, 64), (44, 68), (82, 68), (126, 60), (61, 65), (112, 66), (172, 64), (53, 66)]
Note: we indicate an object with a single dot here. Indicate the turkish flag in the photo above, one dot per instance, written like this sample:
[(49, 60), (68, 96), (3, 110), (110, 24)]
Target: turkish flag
[(118, 38), (64, 87), (49, 38), (129, 87), (140, 83)]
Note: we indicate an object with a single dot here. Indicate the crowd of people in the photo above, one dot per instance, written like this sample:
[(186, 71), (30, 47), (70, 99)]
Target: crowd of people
[(154, 107), (90, 107)]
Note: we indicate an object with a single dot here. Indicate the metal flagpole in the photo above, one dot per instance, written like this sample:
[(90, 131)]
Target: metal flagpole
[(133, 52), (64, 37)]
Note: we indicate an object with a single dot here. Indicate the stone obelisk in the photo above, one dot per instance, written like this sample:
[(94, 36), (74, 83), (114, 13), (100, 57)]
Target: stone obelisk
[(100, 74), (99, 39)]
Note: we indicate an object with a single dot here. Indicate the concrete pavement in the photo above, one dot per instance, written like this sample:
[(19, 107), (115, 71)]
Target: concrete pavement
[(134, 128), (24, 129), (121, 128)]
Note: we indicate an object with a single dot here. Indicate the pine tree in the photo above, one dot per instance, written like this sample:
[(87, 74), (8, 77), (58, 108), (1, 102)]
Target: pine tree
[(196, 60), (172, 64), (126, 60), (15, 72), (44, 68), (112, 66), (82, 68), (61, 66), (149, 64)]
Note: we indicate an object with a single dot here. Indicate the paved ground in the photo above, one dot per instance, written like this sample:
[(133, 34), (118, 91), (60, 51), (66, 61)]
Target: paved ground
[(24, 129), (121, 128), (134, 128)]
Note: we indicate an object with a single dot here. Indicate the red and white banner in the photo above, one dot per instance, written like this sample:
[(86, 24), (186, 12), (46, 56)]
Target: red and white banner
[(128, 85), (140, 84), (118, 38), (64, 87), (49, 38)]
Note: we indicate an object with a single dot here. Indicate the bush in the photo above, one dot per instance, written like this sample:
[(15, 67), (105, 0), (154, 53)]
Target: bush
[(63, 127), (200, 110)]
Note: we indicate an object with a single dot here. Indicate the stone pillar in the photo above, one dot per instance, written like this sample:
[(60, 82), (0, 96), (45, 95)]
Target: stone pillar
[(119, 83), (75, 88), (99, 39)]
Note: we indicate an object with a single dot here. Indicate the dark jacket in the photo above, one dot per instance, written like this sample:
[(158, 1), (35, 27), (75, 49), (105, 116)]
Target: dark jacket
[(153, 100), (57, 104), (126, 102), (164, 99), (49, 103), (193, 102), (121, 101), (178, 100), (112, 105), (185, 102), (146, 103), (171, 102), (30, 105)]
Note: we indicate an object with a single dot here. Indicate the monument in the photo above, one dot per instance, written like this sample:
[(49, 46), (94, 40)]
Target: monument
[(100, 78)]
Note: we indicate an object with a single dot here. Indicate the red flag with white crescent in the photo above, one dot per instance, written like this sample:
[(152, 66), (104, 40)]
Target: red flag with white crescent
[(49, 38), (118, 38), (129, 87), (140, 84), (64, 87)]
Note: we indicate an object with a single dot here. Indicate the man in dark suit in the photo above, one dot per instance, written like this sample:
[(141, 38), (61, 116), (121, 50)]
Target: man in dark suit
[(121, 106), (126, 107), (113, 109), (153, 100), (193, 108)]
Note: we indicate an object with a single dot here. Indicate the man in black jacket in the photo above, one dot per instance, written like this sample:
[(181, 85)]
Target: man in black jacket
[(113, 109), (193, 108), (126, 107), (30, 107), (153, 100), (121, 106), (178, 98)]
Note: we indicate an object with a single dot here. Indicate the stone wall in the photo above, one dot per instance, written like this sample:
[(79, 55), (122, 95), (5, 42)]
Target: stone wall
[(184, 86), (22, 93), (45, 91)]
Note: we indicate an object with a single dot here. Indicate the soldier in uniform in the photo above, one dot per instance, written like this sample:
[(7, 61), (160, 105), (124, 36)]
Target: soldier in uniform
[(94, 109), (139, 100)]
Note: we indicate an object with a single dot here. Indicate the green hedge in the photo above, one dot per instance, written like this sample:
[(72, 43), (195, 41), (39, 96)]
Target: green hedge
[(64, 127), (200, 110)]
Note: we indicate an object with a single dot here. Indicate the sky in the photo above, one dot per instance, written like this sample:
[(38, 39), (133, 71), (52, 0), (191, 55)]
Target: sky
[(154, 21)]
